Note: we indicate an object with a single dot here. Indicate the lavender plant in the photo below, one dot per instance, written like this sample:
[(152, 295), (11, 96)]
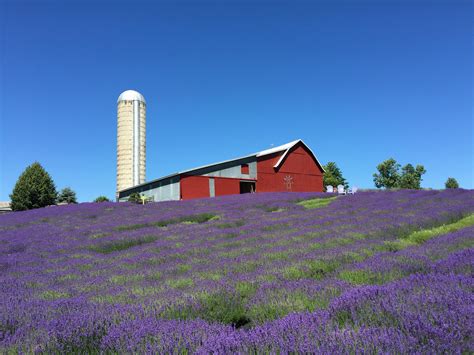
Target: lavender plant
[(279, 272)]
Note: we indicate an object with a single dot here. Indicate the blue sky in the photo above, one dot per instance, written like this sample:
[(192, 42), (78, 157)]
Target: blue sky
[(358, 81)]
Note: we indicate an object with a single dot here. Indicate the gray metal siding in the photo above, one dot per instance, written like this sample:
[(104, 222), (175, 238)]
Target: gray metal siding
[(168, 188), (212, 189), (165, 190), (253, 170), (235, 172)]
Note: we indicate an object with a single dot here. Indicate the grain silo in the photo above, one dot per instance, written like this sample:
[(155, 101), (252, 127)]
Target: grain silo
[(131, 141)]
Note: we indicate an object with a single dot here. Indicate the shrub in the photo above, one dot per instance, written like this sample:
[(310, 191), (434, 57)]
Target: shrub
[(67, 195), (135, 198), (102, 199), (451, 183), (34, 189)]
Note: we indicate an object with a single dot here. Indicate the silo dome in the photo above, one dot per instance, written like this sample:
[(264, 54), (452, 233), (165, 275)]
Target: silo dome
[(131, 95)]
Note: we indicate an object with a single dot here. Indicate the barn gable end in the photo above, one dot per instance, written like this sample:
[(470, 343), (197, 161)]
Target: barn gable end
[(295, 169)]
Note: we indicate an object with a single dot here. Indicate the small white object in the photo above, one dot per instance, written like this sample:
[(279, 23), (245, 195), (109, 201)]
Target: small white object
[(340, 190), (353, 190), (329, 189)]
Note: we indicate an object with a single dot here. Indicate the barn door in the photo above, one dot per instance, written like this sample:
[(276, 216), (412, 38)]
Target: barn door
[(212, 187), (247, 187)]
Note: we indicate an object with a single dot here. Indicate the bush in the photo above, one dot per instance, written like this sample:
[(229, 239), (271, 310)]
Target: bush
[(67, 195), (451, 183), (34, 189), (135, 198), (102, 199), (333, 176)]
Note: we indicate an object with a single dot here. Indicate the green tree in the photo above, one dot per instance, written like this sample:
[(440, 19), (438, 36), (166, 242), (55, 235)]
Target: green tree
[(135, 198), (102, 199), (388, 176), (67, 195), (333, 176), (34, 189), (410, 177), (451, 183)]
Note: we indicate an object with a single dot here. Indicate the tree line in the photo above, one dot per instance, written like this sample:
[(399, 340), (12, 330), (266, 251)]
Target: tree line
[(390, 175), (35, 189)]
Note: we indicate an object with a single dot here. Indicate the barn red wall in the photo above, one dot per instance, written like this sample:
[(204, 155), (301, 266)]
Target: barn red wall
[(194, 187), (226, 186), (299, 164)]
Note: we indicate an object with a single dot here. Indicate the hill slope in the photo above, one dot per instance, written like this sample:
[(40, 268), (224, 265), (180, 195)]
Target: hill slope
[(265, 272)]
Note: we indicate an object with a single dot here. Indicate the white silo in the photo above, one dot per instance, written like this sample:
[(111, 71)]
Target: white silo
[(131, 141)]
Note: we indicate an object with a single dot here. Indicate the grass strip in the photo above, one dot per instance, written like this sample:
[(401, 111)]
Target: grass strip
[(110, 247), (316, 202), (198, 218), (419, 237)]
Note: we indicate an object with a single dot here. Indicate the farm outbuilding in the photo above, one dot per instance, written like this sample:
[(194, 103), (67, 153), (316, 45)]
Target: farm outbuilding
[(289, 167)]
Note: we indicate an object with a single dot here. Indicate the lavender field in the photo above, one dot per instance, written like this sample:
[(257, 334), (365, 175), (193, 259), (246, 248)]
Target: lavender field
[(374, 272)]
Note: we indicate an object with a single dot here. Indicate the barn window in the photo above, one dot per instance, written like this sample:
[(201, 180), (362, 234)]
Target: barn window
[(244, 169)]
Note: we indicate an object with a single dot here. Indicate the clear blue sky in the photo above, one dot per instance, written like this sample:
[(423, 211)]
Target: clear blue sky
[(358, 81)]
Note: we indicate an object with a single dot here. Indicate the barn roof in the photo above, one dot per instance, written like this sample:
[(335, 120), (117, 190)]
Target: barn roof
[(285, 147)]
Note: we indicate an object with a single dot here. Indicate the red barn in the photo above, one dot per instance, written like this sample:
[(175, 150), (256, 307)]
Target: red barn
[(289, 167)]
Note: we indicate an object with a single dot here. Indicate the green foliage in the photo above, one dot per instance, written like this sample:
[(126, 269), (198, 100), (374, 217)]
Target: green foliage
[(53, 295), (130, 227), (389, 175), (283, 302), (411, 177), (135, 198), (183, 268), (34, 189), (310, 269), (102, 199), (317, 269), (210, 275), (316, 202), (333, 176), (451, 183), (245, 289), (235, 224), (419, 237), (362, 277), (223, 307), (198, 218), (118, 245), (125, 279), (180, 283), (67, 195), (227, 307)]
